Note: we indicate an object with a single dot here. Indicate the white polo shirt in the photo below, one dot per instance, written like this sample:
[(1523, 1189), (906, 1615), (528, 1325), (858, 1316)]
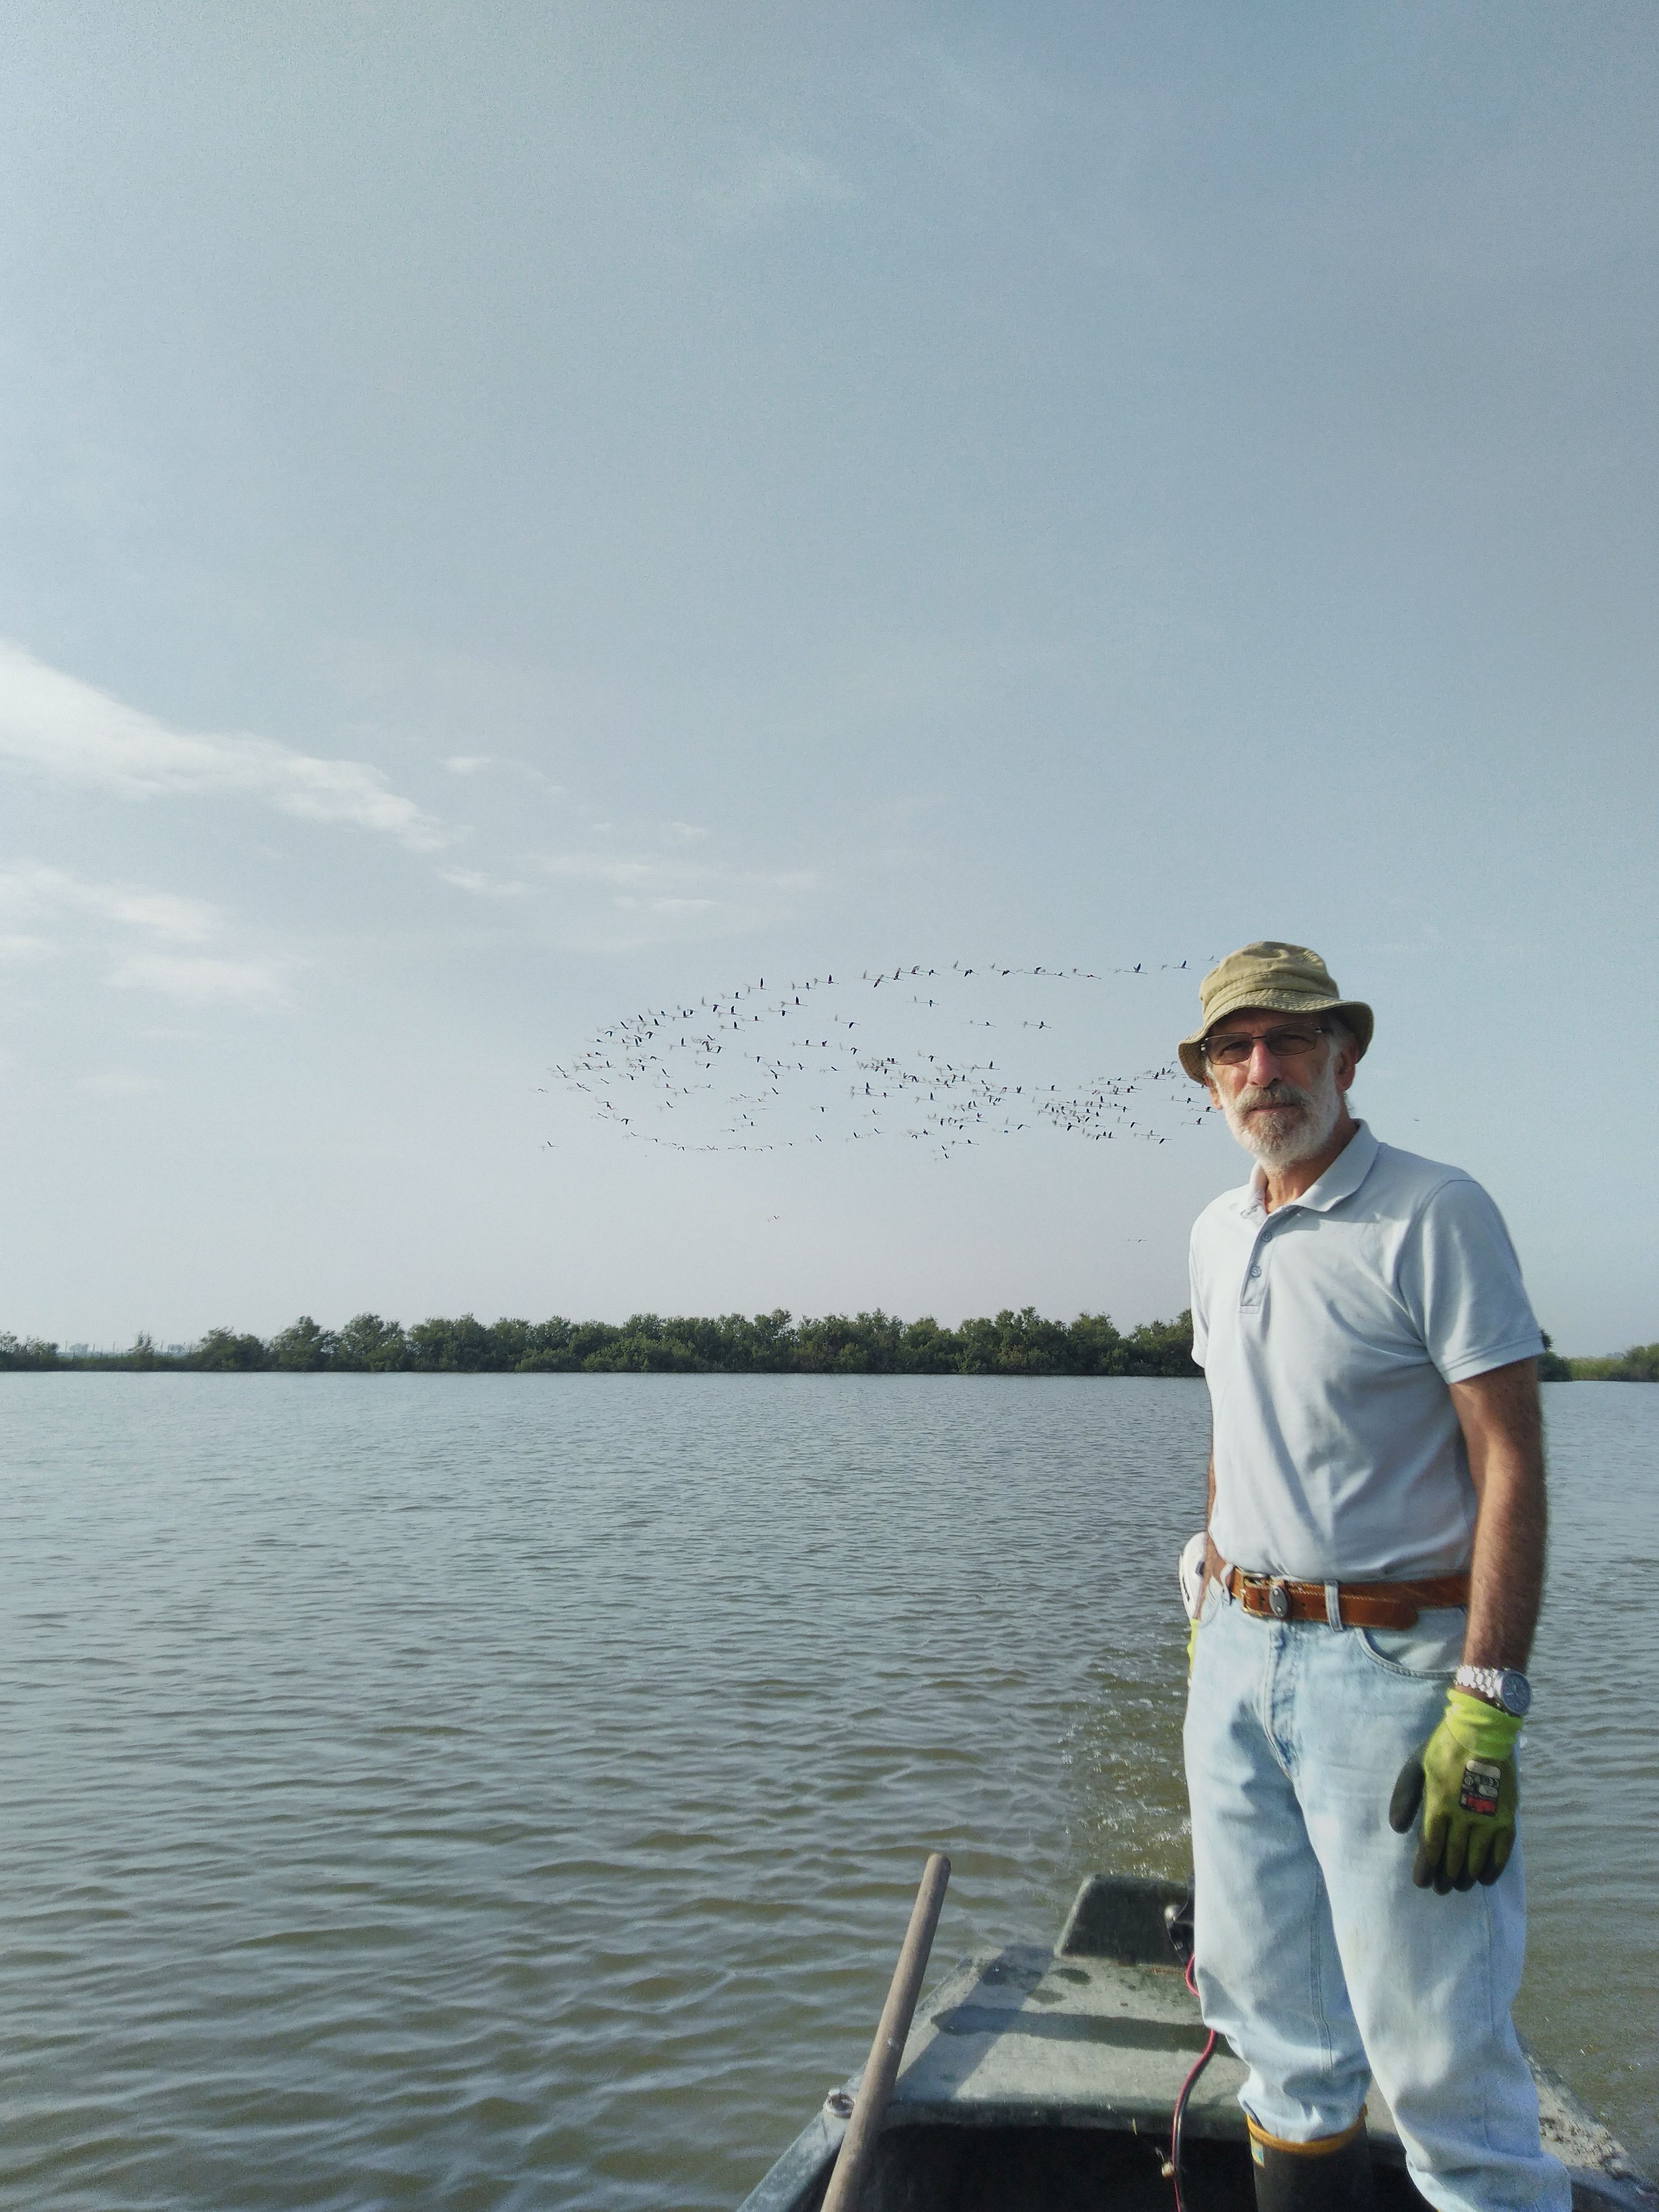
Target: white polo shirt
[(1328, 1331)]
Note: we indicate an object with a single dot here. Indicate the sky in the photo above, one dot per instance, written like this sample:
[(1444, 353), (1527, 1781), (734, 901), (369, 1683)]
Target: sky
[(512, 517)]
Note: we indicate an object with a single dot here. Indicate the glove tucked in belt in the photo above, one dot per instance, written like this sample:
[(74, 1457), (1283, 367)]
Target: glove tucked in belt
[(1464, 1781)]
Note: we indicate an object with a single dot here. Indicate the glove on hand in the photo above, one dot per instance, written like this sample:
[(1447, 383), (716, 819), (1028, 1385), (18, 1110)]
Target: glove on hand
[(1464, 1781)]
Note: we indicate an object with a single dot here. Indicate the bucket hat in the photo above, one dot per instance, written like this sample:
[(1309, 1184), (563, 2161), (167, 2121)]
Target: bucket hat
[(1286, 979)]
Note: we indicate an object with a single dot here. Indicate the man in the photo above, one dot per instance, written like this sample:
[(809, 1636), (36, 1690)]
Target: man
[(1373, 1565)]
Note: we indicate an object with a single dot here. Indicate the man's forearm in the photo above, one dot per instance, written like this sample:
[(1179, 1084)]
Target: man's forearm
[(1499, 1417), (1506, 1574)]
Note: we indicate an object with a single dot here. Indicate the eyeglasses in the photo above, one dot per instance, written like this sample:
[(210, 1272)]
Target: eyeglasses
[(1290, 1043)]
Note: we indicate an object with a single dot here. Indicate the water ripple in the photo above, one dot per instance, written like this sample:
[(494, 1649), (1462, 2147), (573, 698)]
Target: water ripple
[(508, 1792)]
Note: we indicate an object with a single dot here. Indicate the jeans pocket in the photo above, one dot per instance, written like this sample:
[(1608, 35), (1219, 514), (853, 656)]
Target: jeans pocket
[(1429, 1651)]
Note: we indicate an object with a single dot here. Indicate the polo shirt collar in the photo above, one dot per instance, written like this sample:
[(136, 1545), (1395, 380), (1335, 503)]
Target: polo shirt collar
[(1340, 1180)]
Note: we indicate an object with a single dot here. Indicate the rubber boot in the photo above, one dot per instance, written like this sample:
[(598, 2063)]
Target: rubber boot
[(1333, 2174)]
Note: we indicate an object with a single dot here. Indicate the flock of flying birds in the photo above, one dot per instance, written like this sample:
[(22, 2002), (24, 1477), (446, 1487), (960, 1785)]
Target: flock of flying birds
[(835, 1058)]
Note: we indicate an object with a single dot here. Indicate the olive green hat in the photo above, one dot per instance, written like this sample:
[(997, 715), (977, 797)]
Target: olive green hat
[(1287, 978)]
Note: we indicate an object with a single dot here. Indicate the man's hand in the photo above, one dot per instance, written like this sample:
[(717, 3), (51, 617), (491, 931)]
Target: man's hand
[(1213, 1562), (1464, 1781)]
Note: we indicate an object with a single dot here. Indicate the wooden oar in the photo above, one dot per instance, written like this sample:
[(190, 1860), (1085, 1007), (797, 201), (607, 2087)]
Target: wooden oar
[(883, 2064)]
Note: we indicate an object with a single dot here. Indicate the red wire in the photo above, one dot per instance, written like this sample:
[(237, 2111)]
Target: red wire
[(1198, 2066)]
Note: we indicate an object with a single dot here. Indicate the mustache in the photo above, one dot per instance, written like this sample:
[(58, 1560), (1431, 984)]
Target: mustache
[(1276, 1093)]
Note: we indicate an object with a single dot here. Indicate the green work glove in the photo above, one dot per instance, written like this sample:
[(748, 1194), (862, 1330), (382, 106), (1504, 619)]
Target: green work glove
[(1463, 1779)]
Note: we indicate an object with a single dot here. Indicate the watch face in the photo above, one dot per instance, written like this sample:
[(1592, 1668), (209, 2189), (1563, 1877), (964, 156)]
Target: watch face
[(1515, 1693)]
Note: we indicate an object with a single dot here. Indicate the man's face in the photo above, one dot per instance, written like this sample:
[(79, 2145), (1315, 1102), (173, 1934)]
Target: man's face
[(1281, 1103)]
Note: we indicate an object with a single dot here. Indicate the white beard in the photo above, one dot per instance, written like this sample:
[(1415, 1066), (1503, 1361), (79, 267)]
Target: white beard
[(1304, 1125)]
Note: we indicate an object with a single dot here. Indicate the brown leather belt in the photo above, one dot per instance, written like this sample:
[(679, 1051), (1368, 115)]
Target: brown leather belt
[(1360, 1605)]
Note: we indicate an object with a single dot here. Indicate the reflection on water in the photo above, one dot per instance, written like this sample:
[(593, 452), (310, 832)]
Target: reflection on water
[(510, 1791)]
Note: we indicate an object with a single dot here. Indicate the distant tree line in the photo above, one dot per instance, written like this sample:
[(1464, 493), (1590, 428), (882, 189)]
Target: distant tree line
[(878, 1343), (734, 1344), (1639, 1364)]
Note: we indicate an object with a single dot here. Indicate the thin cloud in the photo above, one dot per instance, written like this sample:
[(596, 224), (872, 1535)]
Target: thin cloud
[(201, 980), (31, 891), (106, 918), (766, 186), (604, 868), (656, 899), (643, 875), (58, 727), (119, 1083), (483, 886)]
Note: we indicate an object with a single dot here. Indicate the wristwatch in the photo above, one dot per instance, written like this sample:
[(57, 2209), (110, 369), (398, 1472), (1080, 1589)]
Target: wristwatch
[(1506, 1687)]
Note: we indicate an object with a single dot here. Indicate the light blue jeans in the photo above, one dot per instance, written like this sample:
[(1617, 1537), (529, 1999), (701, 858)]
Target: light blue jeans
[(1317, 1958)]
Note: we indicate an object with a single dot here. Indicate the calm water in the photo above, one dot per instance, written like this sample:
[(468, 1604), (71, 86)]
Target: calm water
[(508, 1790)]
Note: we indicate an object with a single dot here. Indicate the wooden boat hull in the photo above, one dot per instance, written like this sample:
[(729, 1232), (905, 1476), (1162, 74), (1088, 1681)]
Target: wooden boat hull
[(1041, 2080)]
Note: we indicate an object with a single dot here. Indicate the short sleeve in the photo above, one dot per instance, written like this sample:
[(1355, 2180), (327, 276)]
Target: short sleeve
[(1201, 1319), (1461, 1282)]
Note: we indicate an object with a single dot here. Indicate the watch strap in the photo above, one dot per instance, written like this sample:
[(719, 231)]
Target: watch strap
[(1488, 1682)]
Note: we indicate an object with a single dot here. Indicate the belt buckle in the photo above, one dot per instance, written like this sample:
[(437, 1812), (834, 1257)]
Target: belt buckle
[(1278, 1599)]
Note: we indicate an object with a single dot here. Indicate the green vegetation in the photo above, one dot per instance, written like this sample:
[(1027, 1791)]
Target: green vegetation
[(1639, 1364), (735, 1344), (1552, 1368)]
